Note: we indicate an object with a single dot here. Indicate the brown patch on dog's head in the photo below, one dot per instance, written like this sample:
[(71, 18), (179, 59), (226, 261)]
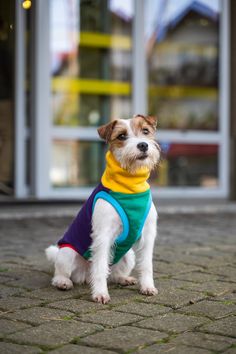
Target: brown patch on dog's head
[(144, 125), (120, 136), (105, 131), (114, 133), (151, 120)]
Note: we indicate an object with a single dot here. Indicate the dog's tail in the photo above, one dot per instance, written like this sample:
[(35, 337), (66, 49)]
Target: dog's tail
[(51, 253)]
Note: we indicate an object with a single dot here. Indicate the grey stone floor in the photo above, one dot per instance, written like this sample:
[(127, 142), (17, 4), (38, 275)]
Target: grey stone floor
[(194, 312)]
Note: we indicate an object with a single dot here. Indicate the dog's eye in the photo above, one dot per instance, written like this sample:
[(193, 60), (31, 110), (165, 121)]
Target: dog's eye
[(122, 137), (145, 131)]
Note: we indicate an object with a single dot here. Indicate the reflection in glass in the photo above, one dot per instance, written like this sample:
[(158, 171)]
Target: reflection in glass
[(90, 61), (187, 165), (76, 163), (182, 55), (185, 113)]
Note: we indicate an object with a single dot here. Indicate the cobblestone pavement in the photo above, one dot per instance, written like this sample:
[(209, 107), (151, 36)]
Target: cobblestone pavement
[(194, 312)]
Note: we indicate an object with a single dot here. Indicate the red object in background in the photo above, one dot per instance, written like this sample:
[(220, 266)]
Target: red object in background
[(176, 150)]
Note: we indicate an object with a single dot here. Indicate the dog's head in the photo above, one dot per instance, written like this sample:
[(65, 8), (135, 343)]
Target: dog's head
[(132, 142)]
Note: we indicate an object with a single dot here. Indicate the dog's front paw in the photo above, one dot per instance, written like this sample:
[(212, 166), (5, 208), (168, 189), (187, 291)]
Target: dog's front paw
[(62, 282), (101, 298), (150, 291)]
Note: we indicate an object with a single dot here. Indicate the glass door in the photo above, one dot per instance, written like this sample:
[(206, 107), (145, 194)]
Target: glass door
[(91, 64), (184, 64)]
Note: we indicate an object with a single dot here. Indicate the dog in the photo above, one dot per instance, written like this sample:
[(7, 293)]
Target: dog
[(117, 226)]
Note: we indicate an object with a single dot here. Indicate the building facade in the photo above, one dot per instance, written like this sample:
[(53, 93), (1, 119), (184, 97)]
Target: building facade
[(69, 66)]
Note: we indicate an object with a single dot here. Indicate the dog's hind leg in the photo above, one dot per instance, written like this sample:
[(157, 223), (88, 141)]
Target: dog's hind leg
[(81, 273), (120, 272), (65, 264)]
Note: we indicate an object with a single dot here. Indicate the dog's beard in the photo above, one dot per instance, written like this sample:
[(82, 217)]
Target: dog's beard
[(131, 159)]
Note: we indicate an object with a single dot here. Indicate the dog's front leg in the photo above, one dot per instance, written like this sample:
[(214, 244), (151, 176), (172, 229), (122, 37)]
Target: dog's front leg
[(99, 267), (144, 253), (106, 226)]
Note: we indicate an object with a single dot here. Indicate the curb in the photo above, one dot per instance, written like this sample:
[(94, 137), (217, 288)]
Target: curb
[(162, 210)]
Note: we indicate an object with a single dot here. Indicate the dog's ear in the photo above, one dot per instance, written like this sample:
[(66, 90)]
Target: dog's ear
[(151, 120), (105, 131)]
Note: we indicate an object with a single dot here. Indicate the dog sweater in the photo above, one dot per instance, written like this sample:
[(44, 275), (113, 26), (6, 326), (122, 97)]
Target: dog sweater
[(129, 194)]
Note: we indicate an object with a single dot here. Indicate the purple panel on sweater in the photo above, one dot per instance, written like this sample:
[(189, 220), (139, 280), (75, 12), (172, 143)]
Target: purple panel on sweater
[(78, 233)]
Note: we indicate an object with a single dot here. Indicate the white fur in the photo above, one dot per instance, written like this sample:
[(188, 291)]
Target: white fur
[(144, 252), (71, 268), (51, 253)]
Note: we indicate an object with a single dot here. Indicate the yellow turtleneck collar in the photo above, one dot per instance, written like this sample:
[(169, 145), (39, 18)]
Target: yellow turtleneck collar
[(120, 180)]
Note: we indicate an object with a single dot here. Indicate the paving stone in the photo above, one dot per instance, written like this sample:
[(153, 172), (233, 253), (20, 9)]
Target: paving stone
[(206, 262), (212, 309), (77, 306), (225, 327), (174, 268), (52, 294), (214, 288), (110, 318), (13, 270), (172, 322), (10, 348), (227, 298), (209, 251), (172, 349), (123, 338), (78, 349), (30, 280), (143, 309), (174, 298), (54, 333), (226, 271), (38, 315), (203, 340), (6, 291), (230, 351), (197, 277), (168, 255), (14, 303), (200, 261), (228, 258), (171, 284), (3, 269), (216, 262), (226, 248), (8, 326), (4, 279)]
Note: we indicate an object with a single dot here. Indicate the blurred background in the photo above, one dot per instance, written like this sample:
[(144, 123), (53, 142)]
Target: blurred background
[(68, 66)]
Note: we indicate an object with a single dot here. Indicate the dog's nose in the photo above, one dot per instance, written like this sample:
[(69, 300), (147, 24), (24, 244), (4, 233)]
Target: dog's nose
[(142, 146)]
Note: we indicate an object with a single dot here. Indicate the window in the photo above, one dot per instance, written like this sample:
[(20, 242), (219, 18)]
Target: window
[(91, 62), (182, 56)]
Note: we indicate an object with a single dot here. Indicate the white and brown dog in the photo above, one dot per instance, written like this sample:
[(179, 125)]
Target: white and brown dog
[(118, 223)]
